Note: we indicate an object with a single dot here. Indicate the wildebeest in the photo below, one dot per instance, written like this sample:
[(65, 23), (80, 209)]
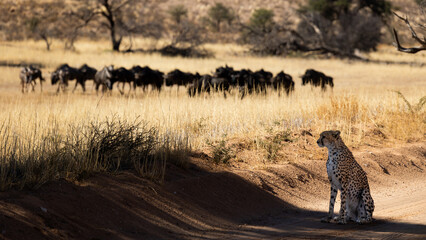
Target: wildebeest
[(283, 81), (29, 75), (249, 82), (122, 75), (244, 80), (179, 78), (86, 73), (145, 76), (241, 77), (316, 79), (104, 77), (63, 74), (262, 78), (202, 84), (222, 79)]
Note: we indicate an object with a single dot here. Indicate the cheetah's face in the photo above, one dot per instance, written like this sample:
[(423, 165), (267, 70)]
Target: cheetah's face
[(327, 138)]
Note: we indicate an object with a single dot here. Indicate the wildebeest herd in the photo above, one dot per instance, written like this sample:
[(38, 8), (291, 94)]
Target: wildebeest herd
[(223, 79)]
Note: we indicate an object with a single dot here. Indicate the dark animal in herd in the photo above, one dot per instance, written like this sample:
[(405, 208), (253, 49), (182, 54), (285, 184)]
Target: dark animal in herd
[(261, 80), (62, 75), (122, 75), (86, 73), (316, 79), (202, 84), (65, 73), (145, 76), (284, 81), (223, 79), (28, 76), (179, 78), (248, 82)]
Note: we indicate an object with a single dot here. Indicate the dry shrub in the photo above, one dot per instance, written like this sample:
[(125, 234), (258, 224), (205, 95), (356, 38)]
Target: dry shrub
[(407, 122), (404, 126), (404, 122), (347, 114), (273, 143), (347, 109), (109, 146)]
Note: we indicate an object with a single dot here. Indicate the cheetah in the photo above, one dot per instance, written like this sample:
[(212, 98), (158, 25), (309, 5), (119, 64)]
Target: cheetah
[(346, 175)]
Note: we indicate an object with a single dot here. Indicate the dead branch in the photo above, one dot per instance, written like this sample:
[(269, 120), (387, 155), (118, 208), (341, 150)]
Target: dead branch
[(413, 34)]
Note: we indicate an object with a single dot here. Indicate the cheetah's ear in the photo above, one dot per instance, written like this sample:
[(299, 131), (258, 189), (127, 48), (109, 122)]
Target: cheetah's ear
[(336, 133)]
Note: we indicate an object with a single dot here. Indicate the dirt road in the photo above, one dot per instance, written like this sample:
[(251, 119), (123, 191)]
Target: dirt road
[(278, 201), (399, 191), (400, 214)]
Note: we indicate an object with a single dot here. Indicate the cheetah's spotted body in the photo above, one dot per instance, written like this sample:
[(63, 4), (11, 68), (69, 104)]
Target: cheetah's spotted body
[(346, 175)]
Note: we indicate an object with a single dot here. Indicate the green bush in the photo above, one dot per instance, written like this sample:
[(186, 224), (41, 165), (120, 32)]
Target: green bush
[(218, 14), (220, 152), (177, 12), (262, 19)]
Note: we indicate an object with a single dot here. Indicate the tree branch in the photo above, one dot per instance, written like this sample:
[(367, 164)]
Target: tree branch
[(404, 49), (325, 47), (120, 6), (413, 34)]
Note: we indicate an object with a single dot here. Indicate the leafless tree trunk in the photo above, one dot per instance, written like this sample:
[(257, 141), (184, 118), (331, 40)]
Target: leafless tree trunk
[(109, 12), (46, 40)]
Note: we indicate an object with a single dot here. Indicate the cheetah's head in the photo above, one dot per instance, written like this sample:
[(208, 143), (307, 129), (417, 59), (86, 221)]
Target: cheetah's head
[(328, 138)]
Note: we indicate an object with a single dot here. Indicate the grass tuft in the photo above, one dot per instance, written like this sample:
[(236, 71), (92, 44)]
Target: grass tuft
[(109, 146), (221, 153)]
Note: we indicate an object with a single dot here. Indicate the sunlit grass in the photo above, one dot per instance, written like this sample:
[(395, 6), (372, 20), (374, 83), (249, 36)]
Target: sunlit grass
[(362, 101)]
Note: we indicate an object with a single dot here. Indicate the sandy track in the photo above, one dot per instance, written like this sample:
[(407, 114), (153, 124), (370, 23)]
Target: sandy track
[(400, 200), (400, 214), (403, 203), (282, 201)]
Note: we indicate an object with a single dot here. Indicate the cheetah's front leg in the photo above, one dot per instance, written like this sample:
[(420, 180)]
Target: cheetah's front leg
[(343, 210), (365, 208), (333, 194)]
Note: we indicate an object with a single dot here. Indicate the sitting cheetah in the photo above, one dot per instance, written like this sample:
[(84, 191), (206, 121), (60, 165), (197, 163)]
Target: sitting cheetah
[(346, 175)]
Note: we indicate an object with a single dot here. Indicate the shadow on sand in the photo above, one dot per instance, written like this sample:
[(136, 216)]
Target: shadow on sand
[(191, 204)]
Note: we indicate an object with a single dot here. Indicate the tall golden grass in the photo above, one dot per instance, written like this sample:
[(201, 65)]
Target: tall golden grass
[(362, 103)]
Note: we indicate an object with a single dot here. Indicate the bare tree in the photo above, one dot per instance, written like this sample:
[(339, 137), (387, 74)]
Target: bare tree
[(35, 20), (111, 10), (186, 37), (44, 20), (77, 18), (187, 34), (109, 14), (413, 35), (120, 18)]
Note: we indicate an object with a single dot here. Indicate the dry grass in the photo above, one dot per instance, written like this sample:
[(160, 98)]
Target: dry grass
[(362, 101), (108, 146)]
